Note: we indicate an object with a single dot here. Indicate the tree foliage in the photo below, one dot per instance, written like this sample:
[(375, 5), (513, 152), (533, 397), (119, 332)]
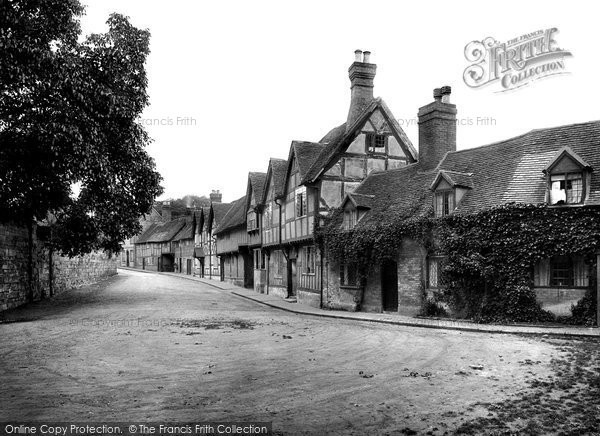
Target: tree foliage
[(68, 110)]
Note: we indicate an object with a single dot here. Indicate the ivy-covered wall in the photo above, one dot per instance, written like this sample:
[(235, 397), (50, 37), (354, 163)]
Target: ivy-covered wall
[(487, 274)]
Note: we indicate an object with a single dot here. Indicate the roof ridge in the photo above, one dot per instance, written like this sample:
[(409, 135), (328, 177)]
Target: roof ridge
[(541, 129)]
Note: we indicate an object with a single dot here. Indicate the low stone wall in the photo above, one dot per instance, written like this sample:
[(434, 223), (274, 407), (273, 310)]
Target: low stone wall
[(50, 275)]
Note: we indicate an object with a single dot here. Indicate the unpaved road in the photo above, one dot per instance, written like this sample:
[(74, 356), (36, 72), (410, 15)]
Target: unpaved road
[(146, 347)]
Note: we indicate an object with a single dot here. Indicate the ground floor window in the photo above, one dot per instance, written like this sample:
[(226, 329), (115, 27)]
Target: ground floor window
[(348, 275), (433, 271), (259, 259), (562, 271), (309, 260), (278, 263)]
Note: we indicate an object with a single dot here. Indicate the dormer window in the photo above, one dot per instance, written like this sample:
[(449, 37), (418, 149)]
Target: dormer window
[(376, 143), (568, 177), (449, 188), (350, 219), (566, 188), (444, 202)]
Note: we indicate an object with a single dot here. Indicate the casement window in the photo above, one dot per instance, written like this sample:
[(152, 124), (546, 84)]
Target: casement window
[(434, 267), (350, 219), (268, 215), (309, 260), (252, 221), (348, 275), (259, 259), (301, 201), (376, 143), (443, 202), (562, 271), (566, 188), (278, 263)]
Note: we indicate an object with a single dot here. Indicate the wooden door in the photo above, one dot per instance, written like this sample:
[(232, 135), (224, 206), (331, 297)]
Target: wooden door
[(389, 286)]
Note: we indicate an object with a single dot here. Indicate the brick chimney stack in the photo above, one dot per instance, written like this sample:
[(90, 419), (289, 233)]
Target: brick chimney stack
[(361, 73), (216, 196), (166, 211), (437, 128)]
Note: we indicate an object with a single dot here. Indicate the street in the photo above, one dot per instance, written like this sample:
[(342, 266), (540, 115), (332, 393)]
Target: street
[(148, 347)]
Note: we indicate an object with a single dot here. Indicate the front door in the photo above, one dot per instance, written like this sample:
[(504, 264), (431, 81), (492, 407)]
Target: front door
[(127, 255), (189, 266), (292, 278), (389, 286)]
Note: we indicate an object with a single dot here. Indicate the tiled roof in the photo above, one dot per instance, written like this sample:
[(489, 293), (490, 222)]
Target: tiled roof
[(397, 193), (306, 153), (278, 169), (499, 173), (162, 232), (257, 181), (187, 232), (235, 217), (512, 170), (219, 209)]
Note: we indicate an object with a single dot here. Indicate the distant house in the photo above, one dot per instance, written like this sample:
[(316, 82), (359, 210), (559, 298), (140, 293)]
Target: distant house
[(211, 217), (183, 247), (154, 249), (236, 260), (160, 212), (254, 207)]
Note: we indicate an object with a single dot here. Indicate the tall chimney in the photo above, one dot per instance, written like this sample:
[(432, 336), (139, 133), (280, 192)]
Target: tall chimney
[(216, 196), (166, 211), (361, 74), (437, 128)]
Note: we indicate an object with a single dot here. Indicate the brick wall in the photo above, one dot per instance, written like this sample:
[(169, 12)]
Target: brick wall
[(66, 273)]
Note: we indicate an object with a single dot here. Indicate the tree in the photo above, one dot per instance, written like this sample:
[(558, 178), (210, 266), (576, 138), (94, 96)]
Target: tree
[(68, 111), (183, 206)]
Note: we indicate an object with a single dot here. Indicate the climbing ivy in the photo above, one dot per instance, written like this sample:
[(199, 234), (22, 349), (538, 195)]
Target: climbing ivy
[(487, 273)]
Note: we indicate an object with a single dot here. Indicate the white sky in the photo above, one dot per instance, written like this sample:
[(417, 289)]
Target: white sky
[(255, 75)]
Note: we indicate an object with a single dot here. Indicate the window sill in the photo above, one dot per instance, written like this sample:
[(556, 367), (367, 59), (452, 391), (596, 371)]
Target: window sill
[(309, 274), (560, 287), (566, 205), (349, 287)]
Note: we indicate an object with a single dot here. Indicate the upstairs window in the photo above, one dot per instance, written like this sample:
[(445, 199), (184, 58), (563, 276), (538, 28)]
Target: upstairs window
[(443, 203), (268, 215), (349, 219), (566, 188), (301, 201), (376, 143), (252, 221)]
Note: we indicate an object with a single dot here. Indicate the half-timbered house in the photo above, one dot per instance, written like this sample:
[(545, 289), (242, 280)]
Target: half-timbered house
[(236, 260)]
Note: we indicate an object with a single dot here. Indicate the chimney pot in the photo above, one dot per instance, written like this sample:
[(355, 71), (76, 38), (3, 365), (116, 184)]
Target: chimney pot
[(446, 91), (366, 57), (437, 94), (357, 55)]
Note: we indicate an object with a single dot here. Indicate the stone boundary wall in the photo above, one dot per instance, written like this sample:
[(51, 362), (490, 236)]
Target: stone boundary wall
[(50, 274)]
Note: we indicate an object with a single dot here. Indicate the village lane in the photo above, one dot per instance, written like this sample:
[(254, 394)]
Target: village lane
[(148, 347)]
